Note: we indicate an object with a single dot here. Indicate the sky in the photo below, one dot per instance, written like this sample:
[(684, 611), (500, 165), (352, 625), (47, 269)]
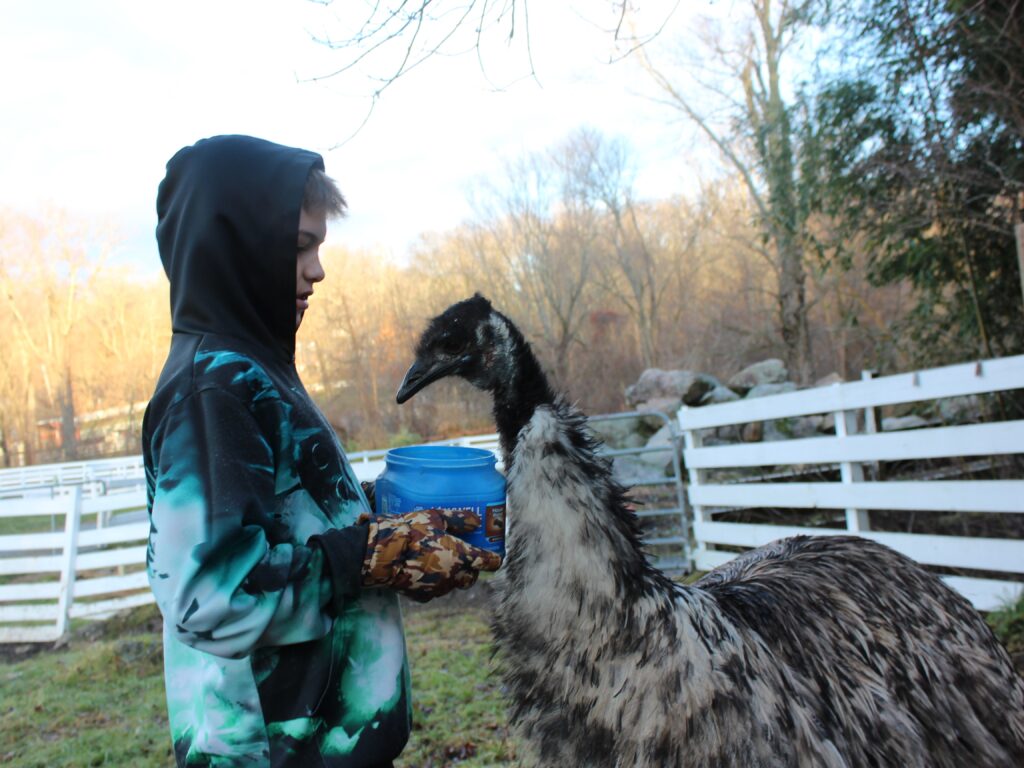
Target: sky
[(98, 95)]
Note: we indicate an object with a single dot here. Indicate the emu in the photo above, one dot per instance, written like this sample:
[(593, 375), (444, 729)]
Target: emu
[(811, 651)]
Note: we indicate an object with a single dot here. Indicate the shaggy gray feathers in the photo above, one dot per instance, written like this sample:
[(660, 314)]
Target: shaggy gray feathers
[(823, 651), (826, 651)]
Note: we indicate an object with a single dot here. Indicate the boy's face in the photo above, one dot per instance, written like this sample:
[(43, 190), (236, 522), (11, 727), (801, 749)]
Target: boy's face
[(312, 231)]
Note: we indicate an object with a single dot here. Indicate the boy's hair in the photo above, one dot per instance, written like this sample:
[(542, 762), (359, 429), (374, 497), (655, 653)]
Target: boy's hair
[(323, 196)]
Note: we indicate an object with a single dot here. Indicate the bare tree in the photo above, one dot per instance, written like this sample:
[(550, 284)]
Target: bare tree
[(401, 35), (390, 39), (121, 345), (43, 294), (743, 110), (535, 248), (637, 272)]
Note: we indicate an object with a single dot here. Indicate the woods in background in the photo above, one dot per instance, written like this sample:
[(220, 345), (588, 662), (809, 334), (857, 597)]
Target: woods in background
[(604, 284), (80, 337)]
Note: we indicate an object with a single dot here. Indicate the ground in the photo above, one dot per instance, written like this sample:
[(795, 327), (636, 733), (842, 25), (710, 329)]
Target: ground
[(98, 700)]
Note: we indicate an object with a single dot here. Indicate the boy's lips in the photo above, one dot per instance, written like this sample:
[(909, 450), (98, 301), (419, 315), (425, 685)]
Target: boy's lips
[(302, 301)]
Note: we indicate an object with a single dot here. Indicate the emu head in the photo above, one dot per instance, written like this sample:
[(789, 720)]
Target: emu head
[(470, 339)]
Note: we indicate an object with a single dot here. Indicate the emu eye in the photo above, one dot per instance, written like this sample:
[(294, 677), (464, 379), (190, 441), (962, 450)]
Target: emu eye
[(451, 345)]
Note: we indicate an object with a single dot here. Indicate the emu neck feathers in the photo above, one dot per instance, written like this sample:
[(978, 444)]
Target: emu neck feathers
[(569, 519), (520, 392)]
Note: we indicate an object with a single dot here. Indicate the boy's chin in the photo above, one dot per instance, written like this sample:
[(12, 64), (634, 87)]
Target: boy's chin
[(298, 319)]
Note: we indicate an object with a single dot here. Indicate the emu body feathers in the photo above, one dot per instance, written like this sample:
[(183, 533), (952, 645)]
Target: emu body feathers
[(831, 651)]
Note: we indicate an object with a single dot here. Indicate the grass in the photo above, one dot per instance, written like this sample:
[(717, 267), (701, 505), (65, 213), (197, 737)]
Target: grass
[(96, 704), (458, 713), (48, 523), (1008, 625), (99, 701), (31, 524)]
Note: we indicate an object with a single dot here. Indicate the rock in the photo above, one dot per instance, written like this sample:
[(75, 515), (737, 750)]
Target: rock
[(705, 383), (774, 431), (790, 429), (629, 470), (666, 405), (620, 433), (960, 410), (753, 432), (763, 390), (772, 371), (805, 426), (633, 440), (655, 383), (662, 459), (714, 442), (822, 423), (719, 394), (827, 381), (628, 432), (894, 423), (729, 433), (757, 431)]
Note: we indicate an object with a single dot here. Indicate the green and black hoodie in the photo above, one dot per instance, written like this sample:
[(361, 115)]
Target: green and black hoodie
[(271, 657)]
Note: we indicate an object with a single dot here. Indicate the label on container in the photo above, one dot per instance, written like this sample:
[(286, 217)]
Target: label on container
[(494, 522)]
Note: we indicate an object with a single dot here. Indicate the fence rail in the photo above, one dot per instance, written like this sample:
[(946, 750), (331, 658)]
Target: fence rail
[(714, 494), (21, 481), (49, 578), (90, 563)]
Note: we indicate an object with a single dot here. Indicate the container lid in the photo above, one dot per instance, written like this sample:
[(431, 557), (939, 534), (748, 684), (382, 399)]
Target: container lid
[(440, 457)]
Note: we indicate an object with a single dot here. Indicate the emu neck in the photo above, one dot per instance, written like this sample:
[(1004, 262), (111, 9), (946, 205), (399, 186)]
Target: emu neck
[(518, 397)]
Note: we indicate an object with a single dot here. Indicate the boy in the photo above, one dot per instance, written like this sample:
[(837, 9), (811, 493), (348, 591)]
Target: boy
[(283, 640)]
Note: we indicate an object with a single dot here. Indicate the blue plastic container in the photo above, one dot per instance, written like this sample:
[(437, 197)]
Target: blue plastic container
[(446, 477)]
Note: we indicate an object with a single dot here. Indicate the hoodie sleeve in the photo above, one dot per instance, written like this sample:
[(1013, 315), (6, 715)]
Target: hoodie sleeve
[(225, 585)]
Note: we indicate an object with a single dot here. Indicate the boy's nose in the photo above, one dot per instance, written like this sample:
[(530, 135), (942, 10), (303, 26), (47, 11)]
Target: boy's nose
[(315, 272)]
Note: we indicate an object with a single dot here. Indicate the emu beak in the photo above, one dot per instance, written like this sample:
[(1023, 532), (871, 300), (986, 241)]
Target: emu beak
[(421, 373)]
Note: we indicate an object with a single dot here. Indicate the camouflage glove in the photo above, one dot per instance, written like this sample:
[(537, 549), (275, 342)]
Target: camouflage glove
[(414, 553)]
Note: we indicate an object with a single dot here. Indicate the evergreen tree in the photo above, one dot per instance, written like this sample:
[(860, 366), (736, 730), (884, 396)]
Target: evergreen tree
[(920, 147)]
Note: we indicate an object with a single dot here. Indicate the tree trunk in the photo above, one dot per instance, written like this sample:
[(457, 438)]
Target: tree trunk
[(785, 226), (68, 433), (3, 444), (793, 310)]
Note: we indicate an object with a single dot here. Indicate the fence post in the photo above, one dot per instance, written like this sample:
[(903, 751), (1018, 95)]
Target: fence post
[(677, 472), (692, 439), (871, 420), (851, 472), (66, 597), (1018, 232)]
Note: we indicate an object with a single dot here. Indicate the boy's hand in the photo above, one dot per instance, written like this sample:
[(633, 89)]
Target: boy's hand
[(415, 553)]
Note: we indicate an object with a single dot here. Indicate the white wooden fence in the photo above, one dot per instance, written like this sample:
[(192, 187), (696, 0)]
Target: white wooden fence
[(91, 561), (20, 481), (77, 571), (712, 493)]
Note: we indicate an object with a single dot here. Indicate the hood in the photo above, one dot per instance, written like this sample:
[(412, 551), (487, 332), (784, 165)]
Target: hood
[(227, 220)]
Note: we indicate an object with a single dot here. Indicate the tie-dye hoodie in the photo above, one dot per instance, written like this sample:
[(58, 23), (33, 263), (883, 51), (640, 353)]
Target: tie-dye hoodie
[(267, 660)]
